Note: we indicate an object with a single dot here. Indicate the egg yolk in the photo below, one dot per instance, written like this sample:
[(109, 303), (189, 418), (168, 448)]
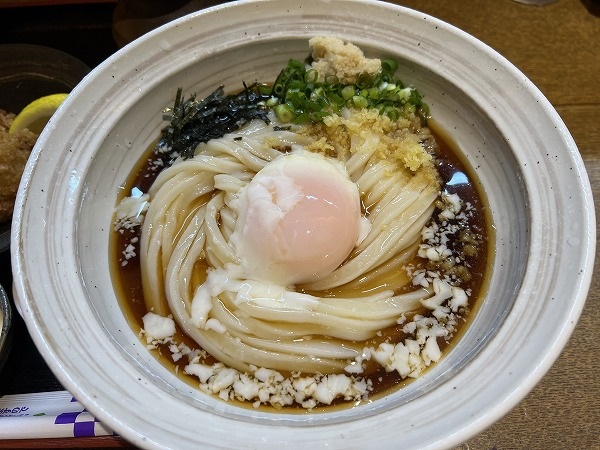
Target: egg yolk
[(298, 219)]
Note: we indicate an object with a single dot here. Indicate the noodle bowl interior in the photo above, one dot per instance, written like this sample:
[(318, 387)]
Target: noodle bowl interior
[(304, 260)]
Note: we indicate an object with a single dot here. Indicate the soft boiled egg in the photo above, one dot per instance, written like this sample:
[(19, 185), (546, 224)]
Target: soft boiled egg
[(298, 219)]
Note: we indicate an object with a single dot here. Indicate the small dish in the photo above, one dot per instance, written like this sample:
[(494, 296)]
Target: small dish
[(32, 71), (28, 72), (5, 321), (4, 236)]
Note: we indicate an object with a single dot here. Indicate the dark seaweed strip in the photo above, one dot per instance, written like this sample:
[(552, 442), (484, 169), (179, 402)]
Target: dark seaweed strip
[(193, 122)]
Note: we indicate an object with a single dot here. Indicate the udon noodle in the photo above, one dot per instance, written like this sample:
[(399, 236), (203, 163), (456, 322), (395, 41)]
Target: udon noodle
[(192, 216), (388, 306)]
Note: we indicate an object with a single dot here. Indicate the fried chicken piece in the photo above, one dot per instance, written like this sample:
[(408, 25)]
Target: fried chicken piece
[(14, 151)]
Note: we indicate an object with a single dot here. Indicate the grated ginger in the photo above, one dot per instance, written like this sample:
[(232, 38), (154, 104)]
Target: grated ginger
[(343, 60), (356, 130)]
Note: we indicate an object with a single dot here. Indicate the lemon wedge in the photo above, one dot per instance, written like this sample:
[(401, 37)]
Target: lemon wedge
[(36, 115)]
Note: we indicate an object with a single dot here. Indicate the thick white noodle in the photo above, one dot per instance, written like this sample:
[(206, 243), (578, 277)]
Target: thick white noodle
[(192, 215)]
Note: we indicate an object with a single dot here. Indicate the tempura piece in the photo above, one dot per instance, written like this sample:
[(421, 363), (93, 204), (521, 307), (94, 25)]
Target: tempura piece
[(14, 152)]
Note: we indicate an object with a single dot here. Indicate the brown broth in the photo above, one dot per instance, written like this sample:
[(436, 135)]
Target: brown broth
[(457, 177)]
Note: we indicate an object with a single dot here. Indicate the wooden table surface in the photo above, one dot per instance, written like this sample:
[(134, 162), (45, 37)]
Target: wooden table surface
[(558, 47)]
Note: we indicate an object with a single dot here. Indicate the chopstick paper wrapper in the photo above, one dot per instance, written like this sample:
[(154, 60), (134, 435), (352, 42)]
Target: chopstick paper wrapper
[(47, 415)]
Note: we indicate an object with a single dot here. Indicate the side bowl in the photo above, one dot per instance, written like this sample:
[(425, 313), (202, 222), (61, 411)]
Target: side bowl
[(32, 71), (5, 324)]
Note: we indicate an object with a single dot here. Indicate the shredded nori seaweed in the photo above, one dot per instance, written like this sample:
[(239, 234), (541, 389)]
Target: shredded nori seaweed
[(195, 121)]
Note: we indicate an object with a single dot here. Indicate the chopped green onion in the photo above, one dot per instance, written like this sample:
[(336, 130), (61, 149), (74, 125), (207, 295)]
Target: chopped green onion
[(298, 96), (389, 65), (272, 101), (284, 112), (348, 92), (373, 93), (311, 76), (364, 80), (359, 101)]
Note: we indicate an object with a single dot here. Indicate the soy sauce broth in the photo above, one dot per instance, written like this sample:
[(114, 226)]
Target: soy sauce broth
[(457, 176)]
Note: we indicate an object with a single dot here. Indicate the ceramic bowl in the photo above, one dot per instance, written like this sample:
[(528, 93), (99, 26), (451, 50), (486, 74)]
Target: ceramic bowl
[(5, 326), (523, 154)]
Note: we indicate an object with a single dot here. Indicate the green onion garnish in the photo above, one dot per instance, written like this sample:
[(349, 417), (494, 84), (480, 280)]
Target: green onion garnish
[(298, 97)]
